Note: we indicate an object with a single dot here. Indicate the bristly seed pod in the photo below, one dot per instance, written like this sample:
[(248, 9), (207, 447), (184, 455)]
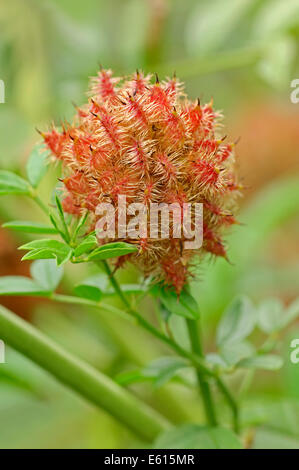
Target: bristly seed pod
[(144, 139)]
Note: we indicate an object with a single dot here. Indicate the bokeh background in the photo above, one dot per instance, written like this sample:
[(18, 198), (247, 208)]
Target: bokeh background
[(244, 54)]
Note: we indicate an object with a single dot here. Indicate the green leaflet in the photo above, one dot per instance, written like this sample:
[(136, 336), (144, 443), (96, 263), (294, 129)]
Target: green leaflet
[(10, 183), (30, 227), (20, 285), (37, 165), (47, 249), (193, 436), (112, 250)]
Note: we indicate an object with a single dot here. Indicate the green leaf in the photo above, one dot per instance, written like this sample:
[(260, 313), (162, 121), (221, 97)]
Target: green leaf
[(44, 243), (10, 377), (20, 285), (216, 360), (131, 377), (96, 286), (165, 314), (38, 254), (81, 223), (276, 18), (209, 20), (86, 245), (232, 353), (37, 165), (99, 280), (61, 232), (47, 249), (184, 305), (193, 436), (88, 292), (10, 183), (46, 273), (112, 250), (270, 314), (163, 369), (179, 331), (280, 416), (237, 322), (277, 62), (267, 438), (134, 289), (91, 288), (29, 227), (59, 207), (62, 218), (263, 361)]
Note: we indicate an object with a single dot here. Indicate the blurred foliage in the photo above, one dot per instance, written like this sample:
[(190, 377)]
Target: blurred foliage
[(239, 52)]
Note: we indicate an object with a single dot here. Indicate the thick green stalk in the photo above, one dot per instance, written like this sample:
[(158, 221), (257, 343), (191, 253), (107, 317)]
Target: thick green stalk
[(194, 358), (81, 377), (202, 381)]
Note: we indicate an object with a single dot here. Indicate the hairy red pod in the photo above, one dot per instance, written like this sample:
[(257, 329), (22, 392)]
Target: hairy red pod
[(147, 141)]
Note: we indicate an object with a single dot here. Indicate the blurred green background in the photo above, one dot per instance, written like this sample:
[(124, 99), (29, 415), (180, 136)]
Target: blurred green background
[(244, 54)]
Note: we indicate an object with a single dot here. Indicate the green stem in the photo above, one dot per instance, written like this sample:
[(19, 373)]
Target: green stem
[(202, 381), (81, 377), (187, 68), (138, 319), (78, 226), (197, 361), (69, 299), (40, 203), (116, 285), (231, 402), (195, 358)]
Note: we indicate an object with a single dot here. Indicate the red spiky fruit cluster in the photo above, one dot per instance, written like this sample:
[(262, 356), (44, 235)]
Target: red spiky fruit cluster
[(147, 141)]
